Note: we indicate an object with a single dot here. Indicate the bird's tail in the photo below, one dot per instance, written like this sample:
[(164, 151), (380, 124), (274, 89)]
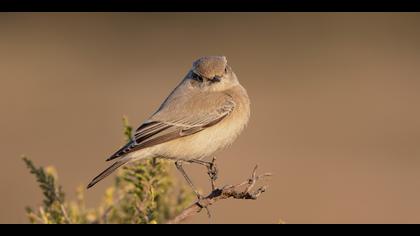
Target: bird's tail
[(108, 171)]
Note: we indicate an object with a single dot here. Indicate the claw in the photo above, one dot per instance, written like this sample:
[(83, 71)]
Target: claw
[(203, 206)]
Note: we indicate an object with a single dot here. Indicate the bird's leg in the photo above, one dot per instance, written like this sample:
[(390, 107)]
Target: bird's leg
[(178, 165), (213, 173), (211, 168)]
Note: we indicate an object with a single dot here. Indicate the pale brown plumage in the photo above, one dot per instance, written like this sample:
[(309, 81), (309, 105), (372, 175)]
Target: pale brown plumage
[(204, 114)]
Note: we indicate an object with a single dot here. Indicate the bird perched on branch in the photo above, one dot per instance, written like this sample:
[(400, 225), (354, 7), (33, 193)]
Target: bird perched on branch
[(204, 114)]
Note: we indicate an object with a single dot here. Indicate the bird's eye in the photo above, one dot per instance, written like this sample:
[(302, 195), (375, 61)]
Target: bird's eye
[(225, 70), (216, 79), (197, 77)]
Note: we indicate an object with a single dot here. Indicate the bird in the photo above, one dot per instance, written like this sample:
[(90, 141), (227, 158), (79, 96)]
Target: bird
[(203, 115)]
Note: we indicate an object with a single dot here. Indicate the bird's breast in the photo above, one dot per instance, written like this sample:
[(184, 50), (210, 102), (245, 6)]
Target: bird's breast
[(207, 142)]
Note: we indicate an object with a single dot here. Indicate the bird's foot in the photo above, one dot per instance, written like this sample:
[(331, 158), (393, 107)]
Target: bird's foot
[(201, 204), (213, 173)]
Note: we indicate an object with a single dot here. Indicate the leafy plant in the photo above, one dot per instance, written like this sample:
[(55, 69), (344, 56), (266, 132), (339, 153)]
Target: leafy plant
[(143, 193)]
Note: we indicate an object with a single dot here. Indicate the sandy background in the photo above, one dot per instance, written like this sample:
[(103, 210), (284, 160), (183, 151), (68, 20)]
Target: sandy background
[(335, 105)]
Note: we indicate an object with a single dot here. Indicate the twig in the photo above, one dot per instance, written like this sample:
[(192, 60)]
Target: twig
[(37, 218), (104, 216), (231, 191), (43, 215), (66, 216)]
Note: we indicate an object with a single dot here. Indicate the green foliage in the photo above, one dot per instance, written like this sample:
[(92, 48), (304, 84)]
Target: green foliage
[(143, 193), (52, 210), (128, 130)]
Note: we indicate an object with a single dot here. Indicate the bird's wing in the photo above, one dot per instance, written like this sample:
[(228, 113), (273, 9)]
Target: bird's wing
[(178, 118)]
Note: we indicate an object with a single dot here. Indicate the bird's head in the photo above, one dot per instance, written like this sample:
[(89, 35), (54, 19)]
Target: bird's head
[(213, 72)]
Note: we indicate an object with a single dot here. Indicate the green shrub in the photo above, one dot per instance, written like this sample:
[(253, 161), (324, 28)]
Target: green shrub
[(143, 193)]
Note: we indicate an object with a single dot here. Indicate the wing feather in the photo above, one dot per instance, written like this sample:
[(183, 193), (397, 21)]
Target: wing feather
[(160, 130)]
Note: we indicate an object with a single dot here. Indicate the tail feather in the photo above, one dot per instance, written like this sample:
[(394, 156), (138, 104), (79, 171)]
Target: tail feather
[(107, 172)]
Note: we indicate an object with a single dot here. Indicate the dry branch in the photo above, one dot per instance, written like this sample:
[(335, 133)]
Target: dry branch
[(231, 191)]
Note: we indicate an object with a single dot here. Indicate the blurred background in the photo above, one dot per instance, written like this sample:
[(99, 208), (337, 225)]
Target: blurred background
[(335, 106)]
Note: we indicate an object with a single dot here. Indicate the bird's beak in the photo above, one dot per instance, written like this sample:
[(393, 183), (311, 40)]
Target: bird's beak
[(216, 79)]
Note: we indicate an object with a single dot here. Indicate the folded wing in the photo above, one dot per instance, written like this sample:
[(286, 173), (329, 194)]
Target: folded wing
[(178, 120)]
